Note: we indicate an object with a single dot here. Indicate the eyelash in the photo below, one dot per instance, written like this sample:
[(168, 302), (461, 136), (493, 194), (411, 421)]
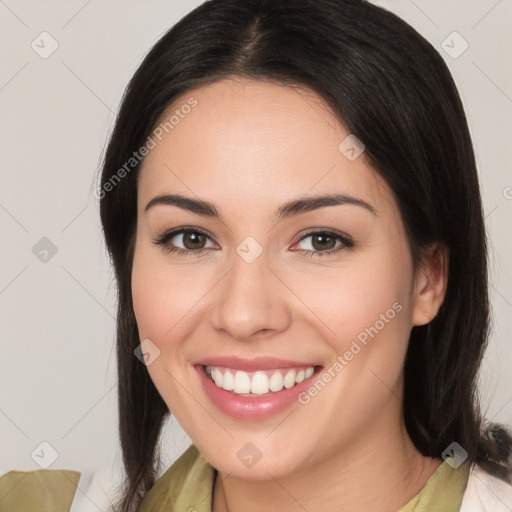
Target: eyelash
[(163, 240)]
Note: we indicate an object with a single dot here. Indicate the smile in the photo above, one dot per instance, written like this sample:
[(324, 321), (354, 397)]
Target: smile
[(258, 382), (255, 395)]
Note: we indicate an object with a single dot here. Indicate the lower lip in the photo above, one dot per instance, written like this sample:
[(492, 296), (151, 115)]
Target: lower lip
[(247, 408)]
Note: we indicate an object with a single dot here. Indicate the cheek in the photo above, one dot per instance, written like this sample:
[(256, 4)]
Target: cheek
[(161, 295), (161, 299), (351, 299), (363, 309)]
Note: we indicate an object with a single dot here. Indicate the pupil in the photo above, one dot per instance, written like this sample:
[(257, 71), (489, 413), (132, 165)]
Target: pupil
[(195, 239)]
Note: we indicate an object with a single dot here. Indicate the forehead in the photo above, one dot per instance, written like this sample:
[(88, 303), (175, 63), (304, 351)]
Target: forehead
[(258, 141)]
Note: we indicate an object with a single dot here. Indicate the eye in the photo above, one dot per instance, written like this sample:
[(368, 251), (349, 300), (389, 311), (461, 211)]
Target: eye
[(324, 242), (193, 240)]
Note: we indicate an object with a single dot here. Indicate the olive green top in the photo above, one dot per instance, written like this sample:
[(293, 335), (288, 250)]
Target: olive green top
[(42, 490), (188, 485)]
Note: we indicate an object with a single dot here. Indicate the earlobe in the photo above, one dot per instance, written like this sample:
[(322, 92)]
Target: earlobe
[(431, 283)]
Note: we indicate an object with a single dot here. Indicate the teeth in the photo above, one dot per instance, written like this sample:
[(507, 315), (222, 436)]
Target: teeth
[(289, 379), (228, 381), (276, 382), (217, 377), (242, 382), (257, 383)]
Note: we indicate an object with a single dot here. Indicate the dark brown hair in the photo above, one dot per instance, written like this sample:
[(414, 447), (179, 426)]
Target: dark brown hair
[(391, 88)]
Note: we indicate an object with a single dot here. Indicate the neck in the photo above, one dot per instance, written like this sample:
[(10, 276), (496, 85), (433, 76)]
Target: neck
[(380, 472)]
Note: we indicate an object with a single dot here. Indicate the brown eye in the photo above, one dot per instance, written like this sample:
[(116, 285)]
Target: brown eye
[(321, 242), (324, 242), (193, 240)]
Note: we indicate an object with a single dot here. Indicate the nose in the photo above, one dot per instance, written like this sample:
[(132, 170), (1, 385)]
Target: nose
[(250, 301)]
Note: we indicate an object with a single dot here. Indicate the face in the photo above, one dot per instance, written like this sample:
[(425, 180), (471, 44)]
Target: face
[(322, 285)]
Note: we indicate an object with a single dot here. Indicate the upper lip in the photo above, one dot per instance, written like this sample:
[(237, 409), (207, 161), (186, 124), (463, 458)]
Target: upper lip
[(257, 363)]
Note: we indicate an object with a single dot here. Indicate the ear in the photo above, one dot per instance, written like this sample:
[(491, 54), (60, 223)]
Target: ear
[(430, 283)]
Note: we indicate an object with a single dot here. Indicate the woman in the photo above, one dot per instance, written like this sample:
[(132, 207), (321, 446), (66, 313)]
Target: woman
[(291, 204)]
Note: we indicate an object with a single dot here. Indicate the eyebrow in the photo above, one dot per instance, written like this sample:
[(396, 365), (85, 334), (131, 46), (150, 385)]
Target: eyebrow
[(286, 210)]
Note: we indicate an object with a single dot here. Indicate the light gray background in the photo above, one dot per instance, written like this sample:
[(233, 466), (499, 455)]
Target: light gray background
[(57, 365)]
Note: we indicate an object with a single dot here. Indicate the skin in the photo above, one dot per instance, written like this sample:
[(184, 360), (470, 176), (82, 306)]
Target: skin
[(249, 146)]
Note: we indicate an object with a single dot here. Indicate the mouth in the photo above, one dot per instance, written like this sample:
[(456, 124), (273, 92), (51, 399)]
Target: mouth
[(251, 396)]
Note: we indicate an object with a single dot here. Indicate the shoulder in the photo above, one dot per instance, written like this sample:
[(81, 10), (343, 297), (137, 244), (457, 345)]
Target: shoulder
[(486, 493), (46, 490), (42, 490), (190, 477), (186, 485)]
